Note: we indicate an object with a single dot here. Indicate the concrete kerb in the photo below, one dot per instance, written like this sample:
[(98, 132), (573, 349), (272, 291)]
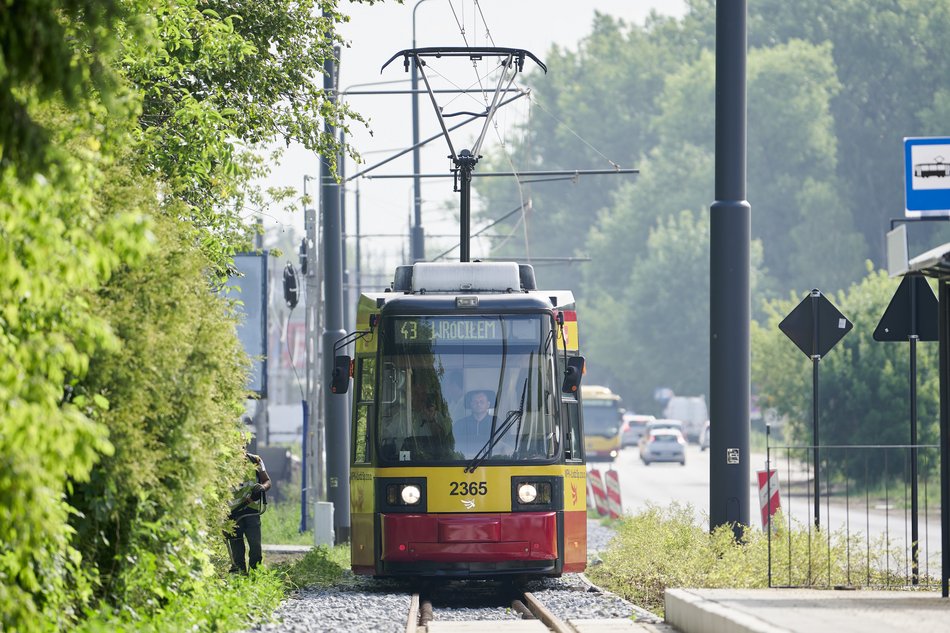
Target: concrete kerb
[(691, 613)]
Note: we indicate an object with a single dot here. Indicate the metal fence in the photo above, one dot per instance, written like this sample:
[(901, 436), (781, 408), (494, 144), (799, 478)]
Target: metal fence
[(876, 523)]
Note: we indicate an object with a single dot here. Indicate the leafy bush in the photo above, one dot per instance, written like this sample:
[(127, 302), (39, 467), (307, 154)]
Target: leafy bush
[(153, 509), (125, 167), (59, 241)]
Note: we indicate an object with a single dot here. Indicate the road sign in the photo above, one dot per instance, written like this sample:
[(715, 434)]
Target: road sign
[(912, 311), (926, 177), (815, 325)]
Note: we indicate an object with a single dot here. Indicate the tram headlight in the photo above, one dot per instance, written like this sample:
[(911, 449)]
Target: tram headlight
[(527, 493), (403, 494), (411, 495), (533, 493)]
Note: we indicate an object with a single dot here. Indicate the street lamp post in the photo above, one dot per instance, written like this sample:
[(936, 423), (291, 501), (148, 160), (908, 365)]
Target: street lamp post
[(417, 242)]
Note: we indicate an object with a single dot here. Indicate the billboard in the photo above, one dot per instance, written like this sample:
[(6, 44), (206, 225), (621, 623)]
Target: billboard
[(248, 286)]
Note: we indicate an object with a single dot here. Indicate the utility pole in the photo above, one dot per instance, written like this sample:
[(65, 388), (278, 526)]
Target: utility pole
[(341, 189), (417, 236), (359, 268), (336, 425), (730, 219)]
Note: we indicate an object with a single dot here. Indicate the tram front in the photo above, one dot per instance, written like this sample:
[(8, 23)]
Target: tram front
[(467, 452)]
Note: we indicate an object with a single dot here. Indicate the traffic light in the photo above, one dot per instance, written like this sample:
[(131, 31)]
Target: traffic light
[(291, 293)]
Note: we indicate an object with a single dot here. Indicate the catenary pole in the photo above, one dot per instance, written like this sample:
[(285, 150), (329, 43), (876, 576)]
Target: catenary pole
[(417, 240), (336, 425), (729, 298)]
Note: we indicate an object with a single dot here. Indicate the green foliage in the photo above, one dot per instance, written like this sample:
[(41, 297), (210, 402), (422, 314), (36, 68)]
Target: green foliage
[(127, 132), (59, 241), (218, 80), (281, 524), (320, 567), (150, 508), (663, 548), (220, 604), (663, 319), (888, 89), (51, 51), (831, 91)]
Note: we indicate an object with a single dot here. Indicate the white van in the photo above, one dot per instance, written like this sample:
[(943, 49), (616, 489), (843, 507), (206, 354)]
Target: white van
[(692, 411)]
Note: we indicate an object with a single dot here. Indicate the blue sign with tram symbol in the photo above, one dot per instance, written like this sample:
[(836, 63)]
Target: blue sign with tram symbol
[(927, 177)]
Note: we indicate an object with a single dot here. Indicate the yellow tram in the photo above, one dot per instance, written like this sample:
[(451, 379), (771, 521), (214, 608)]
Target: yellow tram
[(467, 453)]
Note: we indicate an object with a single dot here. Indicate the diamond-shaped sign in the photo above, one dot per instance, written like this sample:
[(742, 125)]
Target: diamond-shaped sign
[(913, 297), (815, 325)]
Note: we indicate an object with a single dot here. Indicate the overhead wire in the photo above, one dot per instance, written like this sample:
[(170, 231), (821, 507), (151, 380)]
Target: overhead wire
[(522, 223), (480, 231), (504, 67)]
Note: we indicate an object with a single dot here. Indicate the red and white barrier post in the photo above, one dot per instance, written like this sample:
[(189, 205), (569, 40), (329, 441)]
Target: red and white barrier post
[(769, 501), (600, 493), (612, 480)]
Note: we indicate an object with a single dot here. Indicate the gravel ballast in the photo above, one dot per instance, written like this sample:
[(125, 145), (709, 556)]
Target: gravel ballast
[(362, 604)]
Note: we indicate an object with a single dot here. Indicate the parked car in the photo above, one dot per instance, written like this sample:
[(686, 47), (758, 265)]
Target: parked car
[(633, 428), (664, 445), (704, 437)]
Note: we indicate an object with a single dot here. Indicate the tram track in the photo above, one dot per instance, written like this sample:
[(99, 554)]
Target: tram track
[(422, 617), (525, 612)]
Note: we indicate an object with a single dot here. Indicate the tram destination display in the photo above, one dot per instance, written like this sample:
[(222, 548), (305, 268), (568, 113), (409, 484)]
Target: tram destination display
[(465, 330)]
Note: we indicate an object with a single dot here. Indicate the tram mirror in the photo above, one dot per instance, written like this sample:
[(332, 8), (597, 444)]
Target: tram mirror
[(388, 395), (340, 378), (572, 374)]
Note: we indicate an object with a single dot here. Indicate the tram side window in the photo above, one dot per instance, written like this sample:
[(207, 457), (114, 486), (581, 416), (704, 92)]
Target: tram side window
[(394, 421), (575, 439), (364, 409)]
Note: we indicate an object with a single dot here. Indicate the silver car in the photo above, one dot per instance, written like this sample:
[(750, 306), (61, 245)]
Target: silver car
[(663, 445)]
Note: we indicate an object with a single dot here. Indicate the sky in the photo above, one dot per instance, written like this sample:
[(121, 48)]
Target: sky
[(376, 33)]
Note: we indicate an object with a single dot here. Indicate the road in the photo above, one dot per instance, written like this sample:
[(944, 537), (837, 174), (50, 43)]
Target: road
[(661, 484)]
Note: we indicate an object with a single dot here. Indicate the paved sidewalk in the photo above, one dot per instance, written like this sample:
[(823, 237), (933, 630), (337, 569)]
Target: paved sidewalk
[(806, 611)]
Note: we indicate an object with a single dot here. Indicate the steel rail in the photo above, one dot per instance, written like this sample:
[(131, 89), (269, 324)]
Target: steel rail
[(541, 612), (413, 621)]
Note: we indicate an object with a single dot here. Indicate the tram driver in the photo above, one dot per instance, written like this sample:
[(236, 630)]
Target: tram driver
[(472, 431)]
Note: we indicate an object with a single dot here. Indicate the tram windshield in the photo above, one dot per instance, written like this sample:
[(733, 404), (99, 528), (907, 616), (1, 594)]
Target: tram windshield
[(450, 383)]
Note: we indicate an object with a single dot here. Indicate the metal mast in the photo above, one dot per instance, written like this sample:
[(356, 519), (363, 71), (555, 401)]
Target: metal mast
[(464, 161)]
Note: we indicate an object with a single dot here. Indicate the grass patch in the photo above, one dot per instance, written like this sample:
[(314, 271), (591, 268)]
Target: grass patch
[(663, 547), (280, 525), (320, 567), (229, 602)]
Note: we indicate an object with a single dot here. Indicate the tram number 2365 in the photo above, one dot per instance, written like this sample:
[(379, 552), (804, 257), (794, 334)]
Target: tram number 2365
[(468, 488)]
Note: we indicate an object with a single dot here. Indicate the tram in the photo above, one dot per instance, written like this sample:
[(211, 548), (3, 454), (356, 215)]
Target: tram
[(467, 443)]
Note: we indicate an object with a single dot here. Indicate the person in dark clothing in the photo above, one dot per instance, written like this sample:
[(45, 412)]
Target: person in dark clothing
[(250, 501), (472, 431)]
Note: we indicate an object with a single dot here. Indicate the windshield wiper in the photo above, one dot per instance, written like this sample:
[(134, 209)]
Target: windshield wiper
[(499, 432)]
